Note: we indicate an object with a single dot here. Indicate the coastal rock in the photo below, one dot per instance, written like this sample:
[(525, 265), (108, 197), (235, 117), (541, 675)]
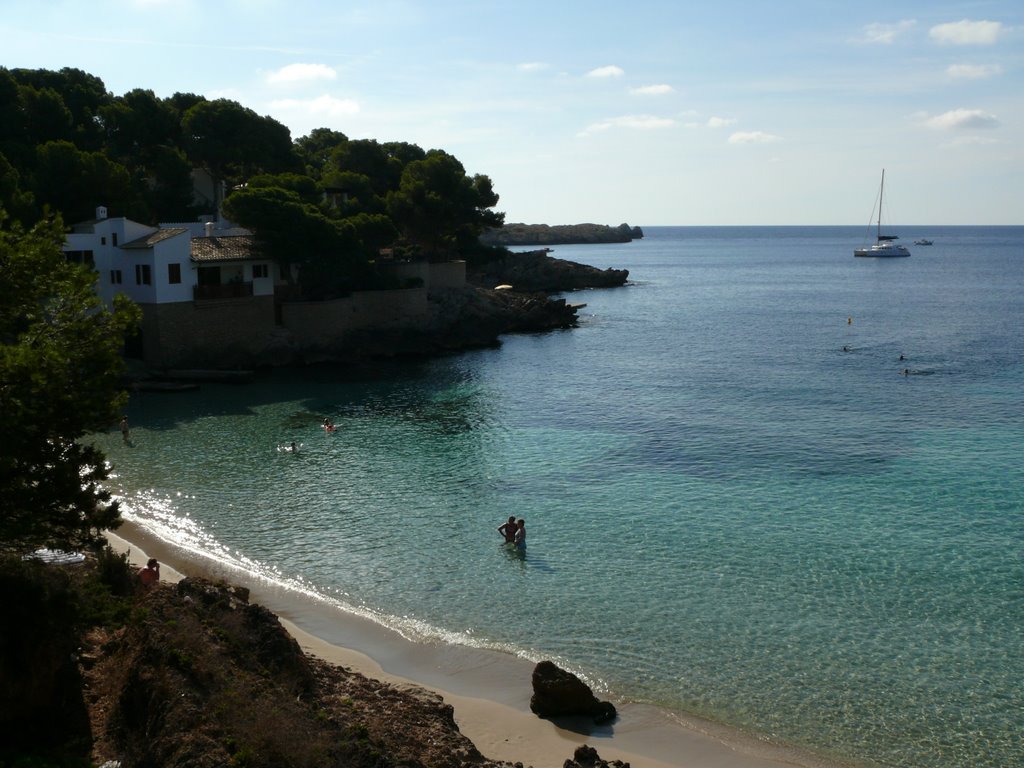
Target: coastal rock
[(537, 271), (461, 318), (586, 757), (558, 693)]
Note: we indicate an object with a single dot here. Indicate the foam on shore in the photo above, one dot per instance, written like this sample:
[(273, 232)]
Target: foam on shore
[(489, 691)]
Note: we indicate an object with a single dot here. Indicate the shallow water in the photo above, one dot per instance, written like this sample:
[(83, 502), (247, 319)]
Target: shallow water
[(728, 514)]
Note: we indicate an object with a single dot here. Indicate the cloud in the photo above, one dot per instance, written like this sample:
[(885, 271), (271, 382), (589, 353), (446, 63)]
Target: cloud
[(301, 73), (531, 66), (885, 34), (967, 32), (610, 71), (630, 122), (753, 137), (960, 119), (973, 71), (652, 90), (720, 122), (971, 141), (324, 105)]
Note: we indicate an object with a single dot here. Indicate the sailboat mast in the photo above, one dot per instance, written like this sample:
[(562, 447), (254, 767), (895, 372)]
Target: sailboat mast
[(881, 191)]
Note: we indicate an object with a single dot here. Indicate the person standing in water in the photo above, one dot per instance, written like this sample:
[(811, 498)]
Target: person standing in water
[(124, 430), (520, 535), (508, 530)]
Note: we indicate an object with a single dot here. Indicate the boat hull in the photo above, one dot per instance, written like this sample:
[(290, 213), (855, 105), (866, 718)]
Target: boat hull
[(886, 250)]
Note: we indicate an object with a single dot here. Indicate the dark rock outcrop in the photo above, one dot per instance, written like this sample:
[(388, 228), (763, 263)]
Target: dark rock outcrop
[(537, 271), (586, 757), (558, 693), (560, 234), (461, 318)]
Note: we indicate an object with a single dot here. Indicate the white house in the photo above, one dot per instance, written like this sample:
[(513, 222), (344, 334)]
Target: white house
[(209, 299), (174, 271)]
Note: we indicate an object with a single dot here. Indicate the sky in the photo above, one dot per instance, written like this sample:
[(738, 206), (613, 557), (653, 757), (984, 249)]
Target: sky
[(652, 112)]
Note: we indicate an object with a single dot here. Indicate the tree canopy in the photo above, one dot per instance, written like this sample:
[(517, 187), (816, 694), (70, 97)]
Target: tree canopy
[(68, 145), (440, 208), (145, 146), (60, 368)]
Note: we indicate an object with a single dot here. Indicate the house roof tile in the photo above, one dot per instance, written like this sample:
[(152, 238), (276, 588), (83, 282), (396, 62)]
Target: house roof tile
[(148, 241), (230, 248)]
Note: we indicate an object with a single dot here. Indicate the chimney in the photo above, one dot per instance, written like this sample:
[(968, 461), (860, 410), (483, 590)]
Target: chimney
[(208, 226), (101, 211)]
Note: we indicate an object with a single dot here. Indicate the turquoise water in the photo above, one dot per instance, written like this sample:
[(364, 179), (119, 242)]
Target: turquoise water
[(727, 513)]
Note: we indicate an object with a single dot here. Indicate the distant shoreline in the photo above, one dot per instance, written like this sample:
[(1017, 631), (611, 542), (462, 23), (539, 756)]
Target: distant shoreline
[(560, 234)]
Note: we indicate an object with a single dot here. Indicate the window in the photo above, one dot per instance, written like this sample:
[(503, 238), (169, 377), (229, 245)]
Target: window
[(260, 270), (143, 274), (113, 239), (174, 273), (80, 257), (103, 241), (115, 277)]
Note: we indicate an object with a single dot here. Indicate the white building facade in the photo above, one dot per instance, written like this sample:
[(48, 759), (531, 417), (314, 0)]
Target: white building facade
[(209, 299)]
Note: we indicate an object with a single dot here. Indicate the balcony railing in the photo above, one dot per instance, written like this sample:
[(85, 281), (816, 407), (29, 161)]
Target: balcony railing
[(239, 290)]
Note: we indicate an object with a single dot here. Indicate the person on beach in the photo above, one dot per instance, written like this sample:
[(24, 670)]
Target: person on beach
[(124, 430), (150, 575), (520, 535), (508, 530)]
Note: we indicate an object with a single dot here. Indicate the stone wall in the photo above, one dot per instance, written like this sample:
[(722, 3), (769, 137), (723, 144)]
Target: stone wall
[(434, 275), (246, 332), (215, 334), (325, 325), (448, 274)]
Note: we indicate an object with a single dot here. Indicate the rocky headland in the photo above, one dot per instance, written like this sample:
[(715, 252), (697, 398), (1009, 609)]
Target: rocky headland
[(461, 318), (507, 294), (560, 234), (537, 271)]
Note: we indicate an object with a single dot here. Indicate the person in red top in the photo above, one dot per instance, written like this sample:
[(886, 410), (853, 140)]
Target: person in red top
[(150, 575)]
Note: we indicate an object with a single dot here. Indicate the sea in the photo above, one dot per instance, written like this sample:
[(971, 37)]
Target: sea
[(765, 483)]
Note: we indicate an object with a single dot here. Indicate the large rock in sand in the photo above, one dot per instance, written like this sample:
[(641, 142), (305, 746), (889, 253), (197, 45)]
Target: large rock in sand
[(557, 693)]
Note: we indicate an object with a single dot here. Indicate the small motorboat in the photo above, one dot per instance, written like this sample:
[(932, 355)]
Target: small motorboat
[(923, 241)]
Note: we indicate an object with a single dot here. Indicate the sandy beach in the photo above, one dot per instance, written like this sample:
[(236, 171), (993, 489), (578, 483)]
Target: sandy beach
[(489, 691)]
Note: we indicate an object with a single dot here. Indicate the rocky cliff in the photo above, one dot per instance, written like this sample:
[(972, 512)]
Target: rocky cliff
[(560, 234), (462, 318), (195, 675), (204, 678)]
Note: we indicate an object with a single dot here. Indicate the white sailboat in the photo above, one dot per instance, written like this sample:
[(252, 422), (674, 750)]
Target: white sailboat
[(884, 244)]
